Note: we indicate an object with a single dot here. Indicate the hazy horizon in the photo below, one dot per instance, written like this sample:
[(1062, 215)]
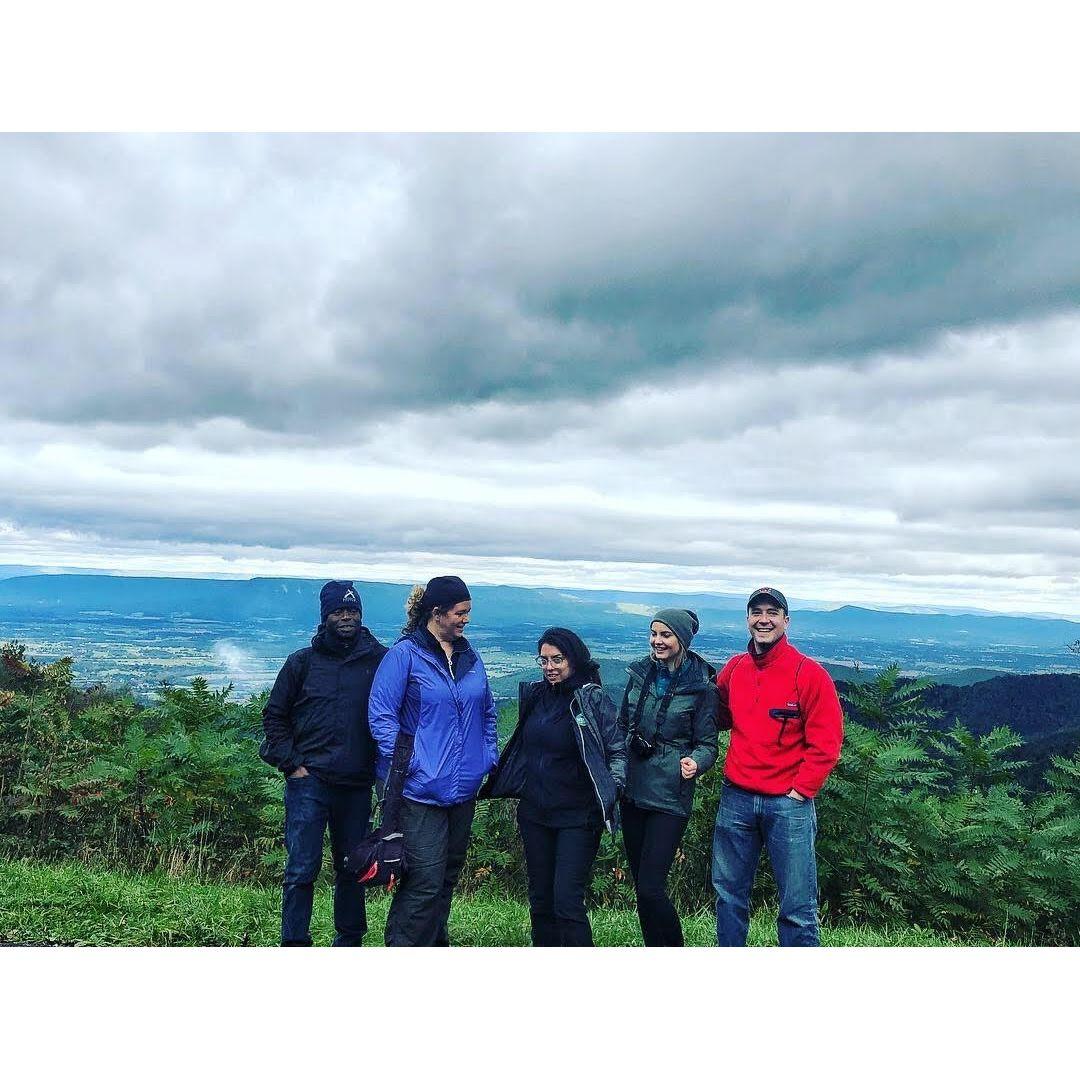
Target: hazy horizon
[(807, 603)]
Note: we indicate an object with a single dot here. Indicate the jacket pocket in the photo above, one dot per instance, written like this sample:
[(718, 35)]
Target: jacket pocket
[(788, 723), (679, 722)]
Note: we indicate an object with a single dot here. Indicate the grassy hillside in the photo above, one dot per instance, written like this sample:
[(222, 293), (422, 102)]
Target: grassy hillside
[(75, 905)]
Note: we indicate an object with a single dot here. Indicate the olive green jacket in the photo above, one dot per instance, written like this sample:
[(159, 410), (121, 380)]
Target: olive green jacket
[(685, 725)]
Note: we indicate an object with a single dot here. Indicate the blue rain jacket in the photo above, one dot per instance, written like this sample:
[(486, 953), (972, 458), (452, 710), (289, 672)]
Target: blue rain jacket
[(449, 710)]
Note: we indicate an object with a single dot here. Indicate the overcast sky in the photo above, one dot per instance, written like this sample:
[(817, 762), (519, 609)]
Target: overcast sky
[(845, 365)]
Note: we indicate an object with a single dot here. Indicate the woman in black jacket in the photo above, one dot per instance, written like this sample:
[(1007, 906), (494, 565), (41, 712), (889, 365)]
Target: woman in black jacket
[(566, 762)]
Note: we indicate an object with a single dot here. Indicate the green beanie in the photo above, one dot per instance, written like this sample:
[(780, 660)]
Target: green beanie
[(683, 622)]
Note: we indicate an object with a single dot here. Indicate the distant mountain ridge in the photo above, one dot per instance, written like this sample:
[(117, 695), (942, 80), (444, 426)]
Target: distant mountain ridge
[(499, 604), (851, 641)]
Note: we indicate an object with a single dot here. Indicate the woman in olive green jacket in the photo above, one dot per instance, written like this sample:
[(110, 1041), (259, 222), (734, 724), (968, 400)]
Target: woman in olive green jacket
[(669, 710)]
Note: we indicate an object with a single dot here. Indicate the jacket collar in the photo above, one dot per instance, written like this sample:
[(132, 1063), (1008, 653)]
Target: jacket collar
[(428, 644), (782, 648), (423, 638), (365, 643)]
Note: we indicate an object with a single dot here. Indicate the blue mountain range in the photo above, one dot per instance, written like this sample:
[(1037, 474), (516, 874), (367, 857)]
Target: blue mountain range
[(295, 600)]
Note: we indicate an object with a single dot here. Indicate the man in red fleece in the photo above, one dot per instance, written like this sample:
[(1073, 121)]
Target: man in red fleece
[(786, 730)]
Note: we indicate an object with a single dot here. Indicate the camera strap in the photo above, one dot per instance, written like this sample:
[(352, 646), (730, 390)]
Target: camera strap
[(649, 734), (650, 678)]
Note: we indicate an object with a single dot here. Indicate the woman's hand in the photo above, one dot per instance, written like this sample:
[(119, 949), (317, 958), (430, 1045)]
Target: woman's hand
[(688, 767)]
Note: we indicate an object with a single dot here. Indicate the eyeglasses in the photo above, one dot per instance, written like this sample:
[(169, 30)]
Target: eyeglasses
[(551, 661)]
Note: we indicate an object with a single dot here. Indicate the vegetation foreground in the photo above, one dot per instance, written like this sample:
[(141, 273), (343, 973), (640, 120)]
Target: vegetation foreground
[(72, 904), (917, 828)]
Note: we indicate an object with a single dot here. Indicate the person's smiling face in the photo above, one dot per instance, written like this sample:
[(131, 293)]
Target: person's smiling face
[(664, 643), (344, 623), (554, 665), (767, 623), (451, 624)]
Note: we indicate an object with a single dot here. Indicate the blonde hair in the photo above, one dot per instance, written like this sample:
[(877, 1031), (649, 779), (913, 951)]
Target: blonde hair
[(414, 613)]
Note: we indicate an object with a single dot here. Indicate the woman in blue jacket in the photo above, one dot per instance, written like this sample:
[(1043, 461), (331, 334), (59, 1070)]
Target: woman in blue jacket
[(433, 685), (566, 762)]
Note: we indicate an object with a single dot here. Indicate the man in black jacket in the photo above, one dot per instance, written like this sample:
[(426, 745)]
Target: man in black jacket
[(316, 724)]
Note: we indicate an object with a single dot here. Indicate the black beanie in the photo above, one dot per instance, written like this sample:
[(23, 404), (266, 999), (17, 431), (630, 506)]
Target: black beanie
[(338, 594), (586, 669), (444, 592)]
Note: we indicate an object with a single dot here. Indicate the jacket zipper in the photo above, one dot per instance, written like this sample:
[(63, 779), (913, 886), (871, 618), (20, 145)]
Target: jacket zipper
[(453, 692), (585, 762)]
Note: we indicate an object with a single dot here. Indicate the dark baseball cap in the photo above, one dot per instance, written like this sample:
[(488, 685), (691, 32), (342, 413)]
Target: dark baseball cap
[(769, 591)]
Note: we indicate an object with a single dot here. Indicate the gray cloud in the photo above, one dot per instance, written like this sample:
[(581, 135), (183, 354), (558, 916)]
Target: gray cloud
[(271, 280), (946, 460), (846, 362)]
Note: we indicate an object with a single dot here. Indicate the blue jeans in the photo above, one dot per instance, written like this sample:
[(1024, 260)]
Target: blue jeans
[(311, 805), (786, 827)]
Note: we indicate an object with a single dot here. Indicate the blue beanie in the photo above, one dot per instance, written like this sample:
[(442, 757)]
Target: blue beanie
[(338, 594)]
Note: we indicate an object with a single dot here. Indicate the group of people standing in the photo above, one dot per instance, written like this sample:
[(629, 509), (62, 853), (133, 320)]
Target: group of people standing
[(577, 763)]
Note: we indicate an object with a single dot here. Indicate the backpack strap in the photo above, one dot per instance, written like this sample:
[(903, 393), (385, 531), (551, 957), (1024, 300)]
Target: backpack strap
[(305, 668), (298, 685), (395, 779)]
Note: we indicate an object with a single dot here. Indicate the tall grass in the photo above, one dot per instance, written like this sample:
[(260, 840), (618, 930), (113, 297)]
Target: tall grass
[(76, 905)]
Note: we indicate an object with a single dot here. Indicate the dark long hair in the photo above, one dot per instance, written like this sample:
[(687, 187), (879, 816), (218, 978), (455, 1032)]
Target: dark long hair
[(586, 669)]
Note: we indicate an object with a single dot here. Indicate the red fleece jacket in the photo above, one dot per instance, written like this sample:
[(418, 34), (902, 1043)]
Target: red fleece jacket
[(770, 754)]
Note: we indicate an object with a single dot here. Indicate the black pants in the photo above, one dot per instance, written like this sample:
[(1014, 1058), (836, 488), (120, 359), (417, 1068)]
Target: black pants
[(559, 865), (652, 838), (436, 839)]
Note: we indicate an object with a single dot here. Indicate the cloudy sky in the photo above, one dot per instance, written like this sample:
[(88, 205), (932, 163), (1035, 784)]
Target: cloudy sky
[(847, 365)]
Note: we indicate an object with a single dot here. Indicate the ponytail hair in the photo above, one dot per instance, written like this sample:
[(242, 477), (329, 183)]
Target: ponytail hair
[(439, 594), (415, 615)]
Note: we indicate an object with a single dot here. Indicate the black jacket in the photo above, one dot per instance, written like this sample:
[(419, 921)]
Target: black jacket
[(600, 741), (317, 713)]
